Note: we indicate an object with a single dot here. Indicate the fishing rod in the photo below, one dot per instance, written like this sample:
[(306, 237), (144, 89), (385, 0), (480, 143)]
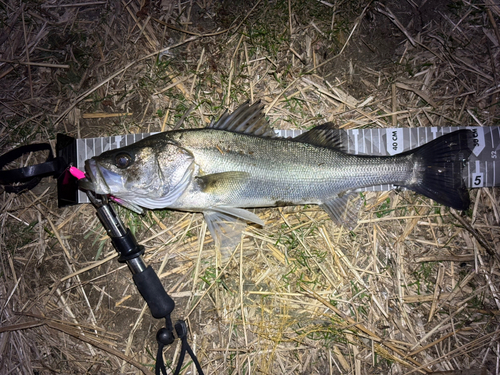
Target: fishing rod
[(145, 278)]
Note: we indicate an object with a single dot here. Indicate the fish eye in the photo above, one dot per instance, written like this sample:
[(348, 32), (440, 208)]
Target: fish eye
[(123, 160)]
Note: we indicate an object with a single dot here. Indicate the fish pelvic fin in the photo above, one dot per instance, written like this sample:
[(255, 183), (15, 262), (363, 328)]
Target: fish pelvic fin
[(343, 209), (226, 225), (439, 165)]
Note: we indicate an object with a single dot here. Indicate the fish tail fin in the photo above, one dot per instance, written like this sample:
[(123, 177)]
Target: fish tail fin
[(441, 164)]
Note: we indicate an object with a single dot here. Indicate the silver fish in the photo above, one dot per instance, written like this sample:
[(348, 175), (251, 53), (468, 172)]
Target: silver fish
[(238, 162)]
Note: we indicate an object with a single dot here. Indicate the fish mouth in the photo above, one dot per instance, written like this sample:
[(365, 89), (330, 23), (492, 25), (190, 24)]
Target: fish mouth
[(96, 178)]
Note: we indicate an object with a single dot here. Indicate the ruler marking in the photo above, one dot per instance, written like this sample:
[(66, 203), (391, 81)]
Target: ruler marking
[(478, 178), (494, 172), (486, 172), (469, 177), (366, 144), (361, 143), (367, 141), (379, 143), (498, 131), (371, 142), (347, 140), (355, 133)]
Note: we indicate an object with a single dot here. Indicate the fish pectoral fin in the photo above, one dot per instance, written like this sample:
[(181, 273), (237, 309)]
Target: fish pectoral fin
[(220, 183), (325, 135), (343, 209), (226, 225)]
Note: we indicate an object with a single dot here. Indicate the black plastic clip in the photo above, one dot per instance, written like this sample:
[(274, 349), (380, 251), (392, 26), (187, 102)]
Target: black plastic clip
[(23, 179)]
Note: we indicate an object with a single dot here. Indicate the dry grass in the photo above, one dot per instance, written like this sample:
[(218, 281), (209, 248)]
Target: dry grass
[(412, 289)]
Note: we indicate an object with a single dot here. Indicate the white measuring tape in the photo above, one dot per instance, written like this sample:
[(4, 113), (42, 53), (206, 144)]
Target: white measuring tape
[(482, 170)]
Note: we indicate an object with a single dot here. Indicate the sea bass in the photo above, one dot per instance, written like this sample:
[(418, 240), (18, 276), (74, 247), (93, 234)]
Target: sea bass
[(238, 162)]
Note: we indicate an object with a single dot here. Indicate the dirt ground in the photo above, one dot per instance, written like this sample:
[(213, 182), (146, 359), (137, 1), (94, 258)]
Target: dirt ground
[(413, 288)]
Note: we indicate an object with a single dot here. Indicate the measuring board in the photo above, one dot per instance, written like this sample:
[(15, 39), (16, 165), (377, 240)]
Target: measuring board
[(482, 169)]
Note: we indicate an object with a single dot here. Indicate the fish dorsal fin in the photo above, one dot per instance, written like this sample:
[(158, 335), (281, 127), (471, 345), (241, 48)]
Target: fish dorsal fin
[(343, 209), (326, 135), (247, 119)]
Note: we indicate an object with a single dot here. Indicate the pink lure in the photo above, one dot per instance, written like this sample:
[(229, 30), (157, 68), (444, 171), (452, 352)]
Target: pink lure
[(76, 173)]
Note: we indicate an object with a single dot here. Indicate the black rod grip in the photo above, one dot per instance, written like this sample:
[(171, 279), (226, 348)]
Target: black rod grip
[(152, 290)]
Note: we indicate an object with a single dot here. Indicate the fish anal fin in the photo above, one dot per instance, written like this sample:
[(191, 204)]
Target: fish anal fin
[(343, 209), (220, 183), (325, 135)]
